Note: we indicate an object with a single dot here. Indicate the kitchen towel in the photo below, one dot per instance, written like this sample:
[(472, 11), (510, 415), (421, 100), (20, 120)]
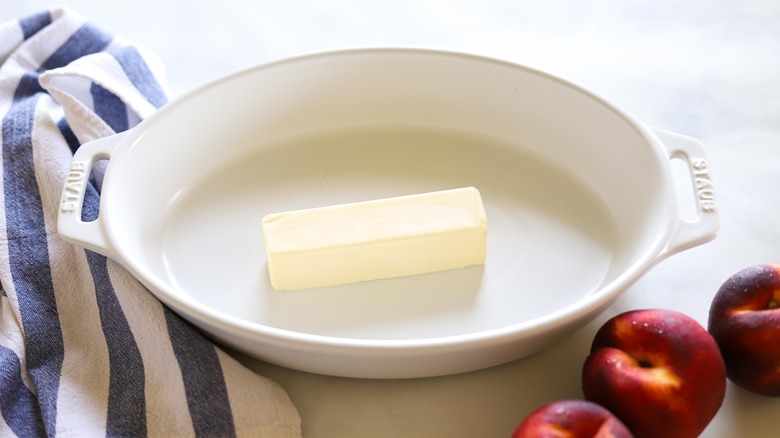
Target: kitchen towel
[(85, 349)]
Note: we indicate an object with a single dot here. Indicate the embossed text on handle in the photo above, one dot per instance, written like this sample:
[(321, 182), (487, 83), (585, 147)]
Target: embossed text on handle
[(705, 194), (74, 186)]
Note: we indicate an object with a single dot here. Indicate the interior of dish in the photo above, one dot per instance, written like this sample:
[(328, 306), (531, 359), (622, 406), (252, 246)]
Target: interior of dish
[(550, 240)]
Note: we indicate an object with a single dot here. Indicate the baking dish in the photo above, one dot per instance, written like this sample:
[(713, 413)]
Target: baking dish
[(580, 199)]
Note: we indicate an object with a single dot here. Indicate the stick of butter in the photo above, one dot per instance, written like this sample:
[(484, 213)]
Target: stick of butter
[(375, 239)]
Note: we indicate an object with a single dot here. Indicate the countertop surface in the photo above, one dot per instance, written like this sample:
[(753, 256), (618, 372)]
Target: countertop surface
[(707, 69)]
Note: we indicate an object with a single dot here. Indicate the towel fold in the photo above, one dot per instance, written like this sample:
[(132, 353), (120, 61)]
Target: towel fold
[(85, 349)]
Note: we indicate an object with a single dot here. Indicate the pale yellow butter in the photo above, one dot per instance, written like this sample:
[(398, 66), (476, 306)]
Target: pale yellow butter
[(369, 240)]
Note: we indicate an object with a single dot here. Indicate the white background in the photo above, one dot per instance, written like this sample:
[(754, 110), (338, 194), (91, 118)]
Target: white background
[(706, 68)]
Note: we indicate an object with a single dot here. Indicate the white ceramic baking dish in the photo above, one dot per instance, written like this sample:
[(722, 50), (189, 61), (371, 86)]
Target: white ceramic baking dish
[(580, 199)]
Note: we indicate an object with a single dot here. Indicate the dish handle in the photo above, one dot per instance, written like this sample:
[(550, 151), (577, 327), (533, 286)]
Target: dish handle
[(70, 226), (706, 223)]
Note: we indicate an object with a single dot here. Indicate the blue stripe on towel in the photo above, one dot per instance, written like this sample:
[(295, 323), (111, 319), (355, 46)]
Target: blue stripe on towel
[(139, 74), (126, 415), (203, 379), (29, 253), (34, 23), (17, 402), (85, 41), (109, 107), (28, 86), (91, 209)]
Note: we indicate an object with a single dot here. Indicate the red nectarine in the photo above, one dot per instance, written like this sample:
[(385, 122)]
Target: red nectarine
[(745, 322), (657, 370), (571, 419)]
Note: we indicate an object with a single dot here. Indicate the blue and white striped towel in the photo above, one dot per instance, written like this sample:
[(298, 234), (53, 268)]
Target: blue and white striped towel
[(85, 350)]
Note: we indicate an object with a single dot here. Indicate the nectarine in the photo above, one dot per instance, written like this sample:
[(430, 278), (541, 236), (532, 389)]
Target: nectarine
[(571, 419), (745, 322), (657, 370)]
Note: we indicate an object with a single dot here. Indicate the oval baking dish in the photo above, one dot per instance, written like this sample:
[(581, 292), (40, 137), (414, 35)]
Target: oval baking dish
[(579, 196)]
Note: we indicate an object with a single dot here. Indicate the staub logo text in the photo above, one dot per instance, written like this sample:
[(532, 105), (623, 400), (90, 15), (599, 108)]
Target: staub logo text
[(705, 194), (74, 186)]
